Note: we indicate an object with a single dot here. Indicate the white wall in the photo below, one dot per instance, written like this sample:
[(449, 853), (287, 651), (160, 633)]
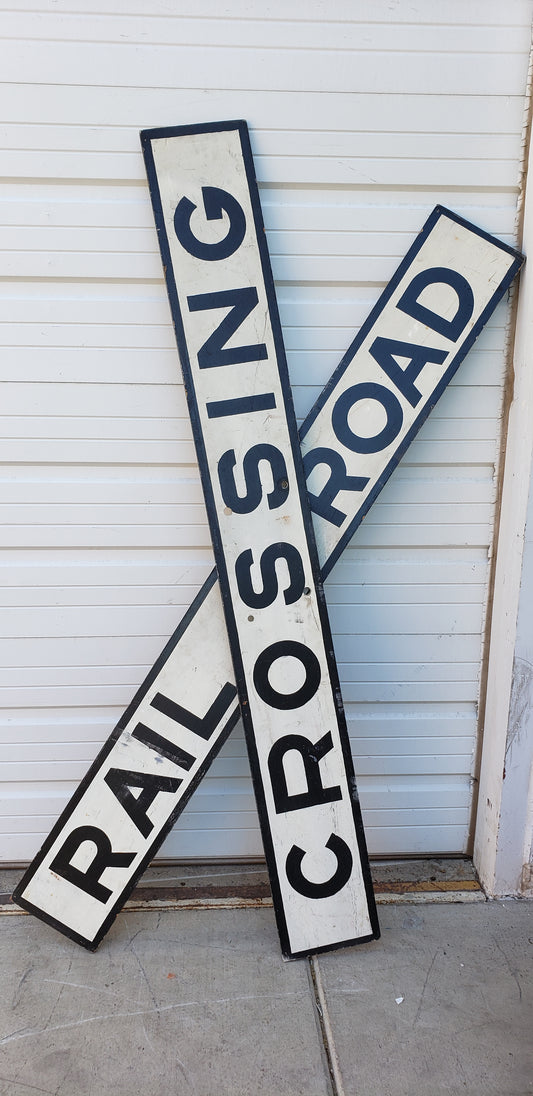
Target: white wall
[(504, 828), (362, 118)]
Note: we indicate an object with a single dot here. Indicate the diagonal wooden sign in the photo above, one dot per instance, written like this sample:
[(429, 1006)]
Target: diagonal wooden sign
[(436, 304)]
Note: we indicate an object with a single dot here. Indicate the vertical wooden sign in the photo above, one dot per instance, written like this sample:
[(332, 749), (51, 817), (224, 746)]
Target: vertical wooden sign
[(221, 291), (187, 705)]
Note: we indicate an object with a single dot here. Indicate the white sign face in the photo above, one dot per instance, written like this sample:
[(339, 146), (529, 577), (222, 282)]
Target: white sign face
[(407, 351), (216, 262), (193, 679)]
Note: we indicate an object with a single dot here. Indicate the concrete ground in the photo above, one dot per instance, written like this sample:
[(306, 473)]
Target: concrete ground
[(198, 1002)]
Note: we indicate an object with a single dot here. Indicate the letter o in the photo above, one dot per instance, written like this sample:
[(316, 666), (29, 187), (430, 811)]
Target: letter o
[(367, 391), (264, 663)]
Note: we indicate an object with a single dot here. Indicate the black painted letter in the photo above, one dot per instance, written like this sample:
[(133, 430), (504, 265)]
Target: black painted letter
[(204, 726), (409, 303), (281, 649), (216, 202), (368, 390), (88, 879), (322, 504), (121, 780), (214, 351), (267, 564), (254, 491), (311, 754), (385, 352), (335, 883)]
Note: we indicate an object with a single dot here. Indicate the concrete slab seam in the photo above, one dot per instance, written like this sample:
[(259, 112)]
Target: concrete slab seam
[(328, 1042)]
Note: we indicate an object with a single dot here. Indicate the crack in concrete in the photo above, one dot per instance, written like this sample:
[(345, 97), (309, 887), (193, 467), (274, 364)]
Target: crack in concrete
[(325, 1028)]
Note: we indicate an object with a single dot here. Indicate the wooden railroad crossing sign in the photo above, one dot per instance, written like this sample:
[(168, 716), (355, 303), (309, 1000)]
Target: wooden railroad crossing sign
[(210, 229)]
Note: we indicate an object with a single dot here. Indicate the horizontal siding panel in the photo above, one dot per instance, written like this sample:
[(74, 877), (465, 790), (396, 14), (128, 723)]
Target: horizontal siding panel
[(117, 401), (64, 734), (436, 841), (174, 28), (363, 593), (288, 212), (451, 112), (426, 536), (275, 170), (75, 450), (193, 820), (118, 571), (489, 12), (275, 143), (389, 565), (176, 516), (391, 730), (116, 243), (139, 651), (23, 485), (399, 791), (236, 793), (75, 733), (146, 266), (419, 818), (412, 841), (52, 364), (388, 748), (147, 619), (408, 841), (381, 670), (186, 842), (135, 567), (455, 402), (180, 593), (44, 327), (194, 67), (415, 764), (304, 309), (394, 619), (66, 535), (351, 674), (410, 692), (79, 428), (229, 821), (120, 695)]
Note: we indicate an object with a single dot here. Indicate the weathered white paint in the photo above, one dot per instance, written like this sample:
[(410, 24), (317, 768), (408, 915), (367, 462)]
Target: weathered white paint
[(502, 850), (430, 318), (95, 440), (239, 397)]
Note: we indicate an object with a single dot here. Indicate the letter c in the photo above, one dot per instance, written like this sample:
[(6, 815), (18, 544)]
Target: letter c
[(339, 879)]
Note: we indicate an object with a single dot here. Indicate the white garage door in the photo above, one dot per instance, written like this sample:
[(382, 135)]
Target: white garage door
[(359, 127)]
